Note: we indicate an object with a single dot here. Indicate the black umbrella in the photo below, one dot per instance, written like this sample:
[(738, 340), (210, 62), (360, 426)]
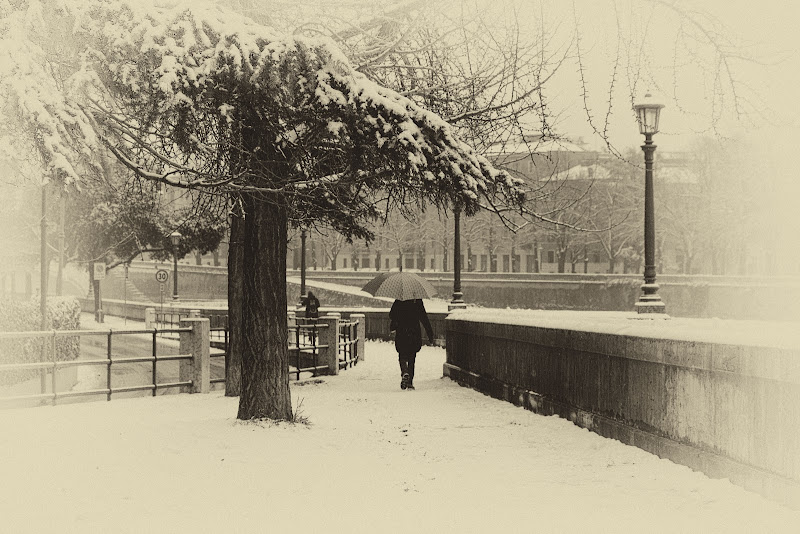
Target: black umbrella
[(400, 286)]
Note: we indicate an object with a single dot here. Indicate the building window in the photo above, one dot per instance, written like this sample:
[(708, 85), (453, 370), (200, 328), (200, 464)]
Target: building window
[(433, 264), (409, 263), (344, 263), (387, 264), (506, 263), (515, 263), (365, 263), (551, 256), (530, 263), (484, 263)]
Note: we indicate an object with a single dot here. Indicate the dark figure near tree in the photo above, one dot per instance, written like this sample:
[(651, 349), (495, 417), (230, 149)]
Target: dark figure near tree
[(312, 306), (405, 318), (312, 315)]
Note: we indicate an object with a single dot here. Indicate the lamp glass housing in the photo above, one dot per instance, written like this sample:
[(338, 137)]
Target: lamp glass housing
[(175, 238), (647, 114)]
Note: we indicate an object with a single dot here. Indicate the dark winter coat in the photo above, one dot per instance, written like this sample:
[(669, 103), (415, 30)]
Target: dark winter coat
[(312, 306), (405, 318)]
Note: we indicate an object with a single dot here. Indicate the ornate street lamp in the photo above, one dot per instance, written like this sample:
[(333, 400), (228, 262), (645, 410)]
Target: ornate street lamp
[(647, 113), (175, 239), (458, 297)]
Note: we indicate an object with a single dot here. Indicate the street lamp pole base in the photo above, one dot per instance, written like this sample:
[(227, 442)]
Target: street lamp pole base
[(457, 303), (650, 301)]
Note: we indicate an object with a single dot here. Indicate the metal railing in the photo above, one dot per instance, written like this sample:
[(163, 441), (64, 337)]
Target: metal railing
[(172, 319), (53, 365), (348, 344), (304, 347), (218, 332), (309, 352)]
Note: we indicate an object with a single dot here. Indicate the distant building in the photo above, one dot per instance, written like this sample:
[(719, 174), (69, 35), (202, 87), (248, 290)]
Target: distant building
[(699, 230)]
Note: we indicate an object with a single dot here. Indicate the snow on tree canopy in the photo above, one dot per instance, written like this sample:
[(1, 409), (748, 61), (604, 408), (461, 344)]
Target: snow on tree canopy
[(200, 97)]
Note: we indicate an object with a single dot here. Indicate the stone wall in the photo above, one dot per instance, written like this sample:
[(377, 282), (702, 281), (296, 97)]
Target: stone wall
[(725, 297), (685, 296), (330, 298), (730, 411)]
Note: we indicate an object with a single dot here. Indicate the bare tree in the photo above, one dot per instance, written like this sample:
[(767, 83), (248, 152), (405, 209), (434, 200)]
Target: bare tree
[(399, 234), (331, 243)]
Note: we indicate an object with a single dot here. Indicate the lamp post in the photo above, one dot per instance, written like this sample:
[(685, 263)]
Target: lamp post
[(458, 296), (647, 112), (175, 239), (302, 266)]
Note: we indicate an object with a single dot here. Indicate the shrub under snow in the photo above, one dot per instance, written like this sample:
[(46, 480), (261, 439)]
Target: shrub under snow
[(64, 314)]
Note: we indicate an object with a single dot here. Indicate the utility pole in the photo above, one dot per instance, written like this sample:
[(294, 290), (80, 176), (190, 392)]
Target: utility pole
[(43, 267), (61, 245), (43, 260)]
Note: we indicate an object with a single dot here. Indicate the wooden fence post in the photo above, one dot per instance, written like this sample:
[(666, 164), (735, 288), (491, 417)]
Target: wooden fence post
[(361, 332), (196, 343), (329, 339)]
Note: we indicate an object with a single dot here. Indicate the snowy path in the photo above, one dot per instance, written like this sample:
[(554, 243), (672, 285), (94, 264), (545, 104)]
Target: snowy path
[(374, 459)]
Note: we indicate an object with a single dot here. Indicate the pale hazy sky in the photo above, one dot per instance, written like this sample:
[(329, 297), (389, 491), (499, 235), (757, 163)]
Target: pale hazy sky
[(765, 30)]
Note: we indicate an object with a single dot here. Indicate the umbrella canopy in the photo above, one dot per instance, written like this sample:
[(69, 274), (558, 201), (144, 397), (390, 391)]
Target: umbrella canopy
[(400, 286)]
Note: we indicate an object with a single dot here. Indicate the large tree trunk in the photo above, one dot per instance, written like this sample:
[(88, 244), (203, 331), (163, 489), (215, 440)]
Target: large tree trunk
[(265, 358), (233, 364)]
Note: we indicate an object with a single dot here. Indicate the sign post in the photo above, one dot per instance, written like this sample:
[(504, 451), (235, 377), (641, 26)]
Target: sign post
[(98, 273), (161, 277), (125, 294)]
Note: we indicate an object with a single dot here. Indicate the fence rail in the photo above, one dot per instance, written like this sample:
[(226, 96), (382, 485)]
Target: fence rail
[(53, 365), (304, 334), (348, 344), (315, 346)]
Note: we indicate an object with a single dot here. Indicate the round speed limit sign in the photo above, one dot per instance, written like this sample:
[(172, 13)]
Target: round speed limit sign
[(162, 275)]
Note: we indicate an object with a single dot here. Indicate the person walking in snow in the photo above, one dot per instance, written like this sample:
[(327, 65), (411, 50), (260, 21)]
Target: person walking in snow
[(312, 315), (312, 306), (405, 318)]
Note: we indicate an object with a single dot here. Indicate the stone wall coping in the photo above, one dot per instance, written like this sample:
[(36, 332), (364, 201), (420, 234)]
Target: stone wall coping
[(778, 335)]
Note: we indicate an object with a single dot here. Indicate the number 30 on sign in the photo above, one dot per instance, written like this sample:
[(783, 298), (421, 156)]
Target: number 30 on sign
[(162, 275)]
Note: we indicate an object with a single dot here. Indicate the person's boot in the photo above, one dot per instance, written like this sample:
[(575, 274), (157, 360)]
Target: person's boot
[(405, 381), (404, 374)]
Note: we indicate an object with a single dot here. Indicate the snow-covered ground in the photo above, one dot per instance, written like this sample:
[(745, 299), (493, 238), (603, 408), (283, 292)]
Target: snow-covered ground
[(373, 459)]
